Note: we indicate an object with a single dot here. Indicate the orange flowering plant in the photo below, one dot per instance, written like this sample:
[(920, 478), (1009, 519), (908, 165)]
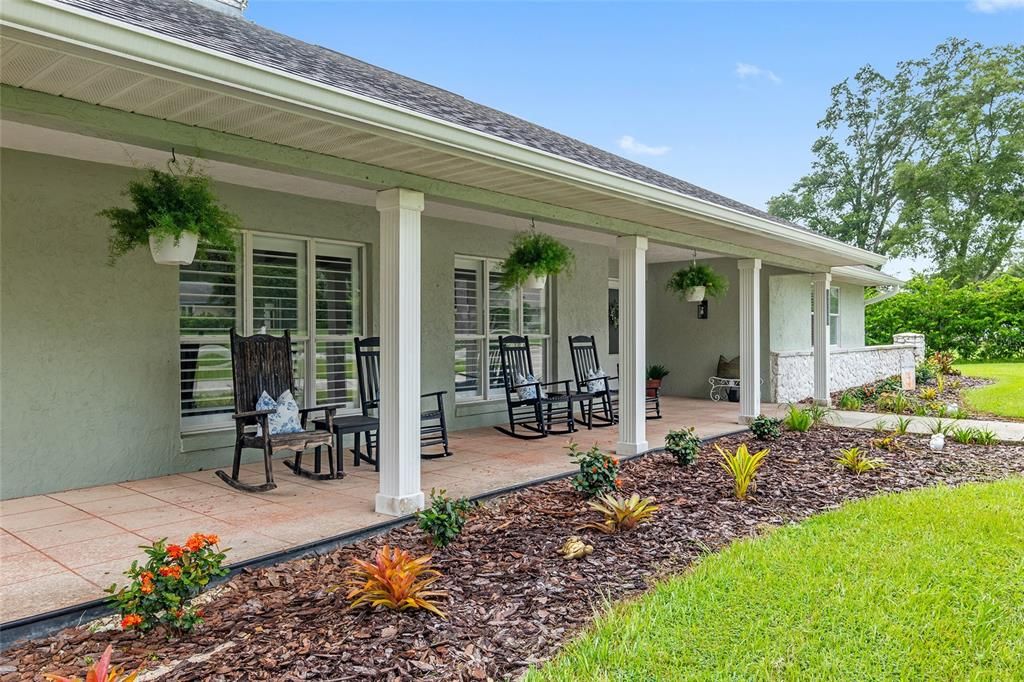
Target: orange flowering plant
[(599, 472), (160, 591)]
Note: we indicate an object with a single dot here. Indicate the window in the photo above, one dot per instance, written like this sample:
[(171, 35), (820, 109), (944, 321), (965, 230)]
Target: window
[(483, 312), (613, 317), (310, 287), (833, 316)]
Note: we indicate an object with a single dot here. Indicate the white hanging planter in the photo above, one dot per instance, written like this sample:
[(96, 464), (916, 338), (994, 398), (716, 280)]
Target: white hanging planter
[(695, 294), (535, 282), (166, 252)]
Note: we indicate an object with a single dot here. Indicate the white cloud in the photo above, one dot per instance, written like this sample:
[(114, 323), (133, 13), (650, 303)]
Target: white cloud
[(993, 6), (745, 71), (629, 144)]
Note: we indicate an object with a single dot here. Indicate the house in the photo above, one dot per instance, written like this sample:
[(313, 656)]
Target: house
[(372, 204)]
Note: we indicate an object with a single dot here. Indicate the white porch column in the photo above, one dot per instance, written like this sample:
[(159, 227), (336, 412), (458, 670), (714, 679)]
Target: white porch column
[(399, 433), (750, 339), (822, 393), (632, 345)]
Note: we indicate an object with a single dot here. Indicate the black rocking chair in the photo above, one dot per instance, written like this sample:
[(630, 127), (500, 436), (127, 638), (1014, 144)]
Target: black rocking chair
[(544, 408), (585, 362), (264, 363), (433, 424)]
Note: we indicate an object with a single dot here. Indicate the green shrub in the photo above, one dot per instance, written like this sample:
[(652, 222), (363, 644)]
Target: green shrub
[(599, 473), (902, 425), (444, 518), (766, 428), (684, 445), (850, 401), (939, 426), (819, 414), (925, 372), (985, 437), (980, 321), (798, 420)]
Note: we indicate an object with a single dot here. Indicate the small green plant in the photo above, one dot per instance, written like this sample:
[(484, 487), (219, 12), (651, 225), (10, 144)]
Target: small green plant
[(599, 472), (683, 444), (921, 409), (850, 401), (956, 385), (444, 518), (657, 372), (698, 275), (887, 443), (858, 461), (880, 426), (742, 466), (958, 413), (160, 591), (902, 425), (534, 254), (394, 580), (168, 204), (895, 402), (964, 434), (766, 428), (925, 372), (940, 383), (621, 513), (798, 420), (943, 362), (928, 394), (939, 426), (819, 413), (985, 436), (889, 385)]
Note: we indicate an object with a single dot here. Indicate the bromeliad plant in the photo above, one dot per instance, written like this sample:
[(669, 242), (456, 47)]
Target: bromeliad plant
[(683, 444), (621, 513), (168, 204), (444, 518), (766, 428), (160, 591), (394, 580), (599, 472), (534, 255), (742, 466), (798, 420), (858, 461), (100, 671)]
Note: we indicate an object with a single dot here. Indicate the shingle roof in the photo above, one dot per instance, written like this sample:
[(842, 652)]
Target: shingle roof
[(240, 38)]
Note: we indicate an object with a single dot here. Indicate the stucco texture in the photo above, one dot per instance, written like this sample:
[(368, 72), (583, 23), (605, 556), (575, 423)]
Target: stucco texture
[(89, 381)]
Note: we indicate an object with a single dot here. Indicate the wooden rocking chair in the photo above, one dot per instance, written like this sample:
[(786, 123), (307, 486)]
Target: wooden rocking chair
[(533, 405), (264, 363), (433, 424), (585, 363)]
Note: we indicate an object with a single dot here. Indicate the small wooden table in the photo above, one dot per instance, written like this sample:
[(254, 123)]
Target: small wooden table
[(356, 425)]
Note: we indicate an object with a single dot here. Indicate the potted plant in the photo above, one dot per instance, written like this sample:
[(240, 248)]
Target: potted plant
[(697, 281), (175, 212), (655, 374), (534, 256)]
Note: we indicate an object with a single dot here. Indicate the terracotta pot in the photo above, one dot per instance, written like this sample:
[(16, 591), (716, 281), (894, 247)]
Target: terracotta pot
[(652, 387)]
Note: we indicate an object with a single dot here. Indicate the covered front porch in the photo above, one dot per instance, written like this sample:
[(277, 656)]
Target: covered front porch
[(62, 549)]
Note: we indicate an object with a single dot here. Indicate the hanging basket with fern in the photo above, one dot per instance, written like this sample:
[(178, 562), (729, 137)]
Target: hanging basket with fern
[(696, 282), (535, 257)]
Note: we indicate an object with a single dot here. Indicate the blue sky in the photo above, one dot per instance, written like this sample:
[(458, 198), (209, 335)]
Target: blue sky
[(723, 94)]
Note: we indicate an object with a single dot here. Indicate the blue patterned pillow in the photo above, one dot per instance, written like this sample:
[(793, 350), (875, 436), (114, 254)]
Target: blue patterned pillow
[(595, 381), (285, 419), (529, 392)]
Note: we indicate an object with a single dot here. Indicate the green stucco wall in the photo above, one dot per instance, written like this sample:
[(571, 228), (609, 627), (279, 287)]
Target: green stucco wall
[(89, 353), (790, 313)]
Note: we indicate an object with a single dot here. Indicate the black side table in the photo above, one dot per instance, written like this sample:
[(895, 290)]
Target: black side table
[(356, 425)]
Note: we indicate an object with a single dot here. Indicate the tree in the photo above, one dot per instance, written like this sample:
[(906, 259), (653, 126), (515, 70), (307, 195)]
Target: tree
[(965, 199), (928, 162)]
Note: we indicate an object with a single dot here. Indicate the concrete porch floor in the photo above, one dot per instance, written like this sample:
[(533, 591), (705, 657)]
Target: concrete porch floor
[(62, 549)]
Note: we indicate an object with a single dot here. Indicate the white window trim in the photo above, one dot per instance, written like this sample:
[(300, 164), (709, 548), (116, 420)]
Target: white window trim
[(486, 336), (834, 319), (309, 339)]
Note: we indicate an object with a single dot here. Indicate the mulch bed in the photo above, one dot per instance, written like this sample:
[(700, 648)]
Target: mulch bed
[(953, 388), (513, 600)]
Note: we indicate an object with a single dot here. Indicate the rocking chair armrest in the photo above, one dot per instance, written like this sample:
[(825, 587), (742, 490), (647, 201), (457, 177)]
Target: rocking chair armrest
[(564, 383), (433, 393), (331, 407), (253, 413)]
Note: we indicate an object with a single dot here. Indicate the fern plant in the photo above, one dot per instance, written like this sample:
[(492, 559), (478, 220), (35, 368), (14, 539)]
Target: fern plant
[(534, 254), (698, 275)]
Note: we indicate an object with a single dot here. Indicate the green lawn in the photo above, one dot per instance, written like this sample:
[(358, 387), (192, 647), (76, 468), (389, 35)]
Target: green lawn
[(1005, 397), (924, 585)]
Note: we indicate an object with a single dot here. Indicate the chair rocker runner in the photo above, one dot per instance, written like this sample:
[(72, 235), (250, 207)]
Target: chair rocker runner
[(590, 378), (263, 363), (433, 424), (532, 405)]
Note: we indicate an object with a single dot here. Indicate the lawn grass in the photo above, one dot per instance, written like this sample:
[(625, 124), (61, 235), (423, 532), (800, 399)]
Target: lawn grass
[(1005, 397), (923, 585)]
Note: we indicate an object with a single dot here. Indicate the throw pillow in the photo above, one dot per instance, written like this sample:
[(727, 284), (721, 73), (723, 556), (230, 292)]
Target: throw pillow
[(595, 381), (526, 392), (286, 416), (728, 369)]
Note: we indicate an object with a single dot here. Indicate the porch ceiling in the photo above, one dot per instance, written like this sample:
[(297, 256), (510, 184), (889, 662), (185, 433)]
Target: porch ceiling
[(126, 77)]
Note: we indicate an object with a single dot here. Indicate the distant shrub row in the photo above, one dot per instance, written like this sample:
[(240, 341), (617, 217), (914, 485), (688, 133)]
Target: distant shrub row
[(982, 321)]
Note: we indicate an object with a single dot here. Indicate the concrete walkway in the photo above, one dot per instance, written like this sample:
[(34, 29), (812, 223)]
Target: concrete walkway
[(1005, 431)]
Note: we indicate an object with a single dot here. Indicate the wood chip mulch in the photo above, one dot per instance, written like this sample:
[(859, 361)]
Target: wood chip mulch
[(513, 600)]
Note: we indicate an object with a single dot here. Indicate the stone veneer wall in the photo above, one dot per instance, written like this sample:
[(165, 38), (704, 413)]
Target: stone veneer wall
[(792, 372)]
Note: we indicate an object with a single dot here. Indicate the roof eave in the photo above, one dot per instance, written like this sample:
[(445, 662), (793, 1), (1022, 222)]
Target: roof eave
[(88, 31)]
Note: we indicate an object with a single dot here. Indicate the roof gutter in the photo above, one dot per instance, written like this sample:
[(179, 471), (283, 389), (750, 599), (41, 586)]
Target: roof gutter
[(133, 47)]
